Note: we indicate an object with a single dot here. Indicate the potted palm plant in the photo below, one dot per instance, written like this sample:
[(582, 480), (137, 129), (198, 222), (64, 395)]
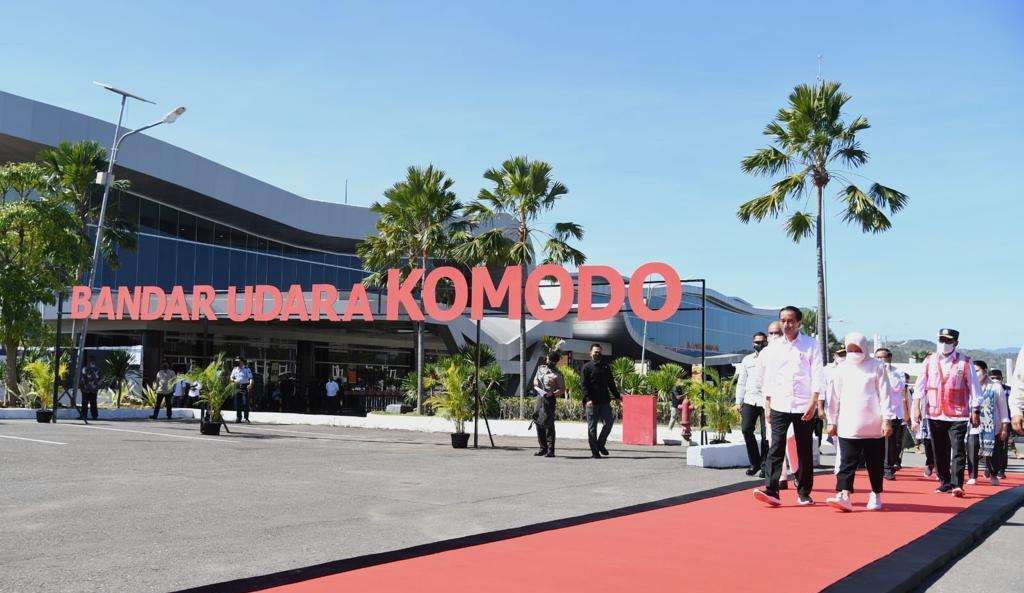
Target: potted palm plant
[(39, 387), (217, 388), (452, 397), (121, 375), (715, 399)]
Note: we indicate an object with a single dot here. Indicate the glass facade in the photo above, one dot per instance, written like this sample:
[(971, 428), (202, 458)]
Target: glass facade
[(178, 248), (728, 330)]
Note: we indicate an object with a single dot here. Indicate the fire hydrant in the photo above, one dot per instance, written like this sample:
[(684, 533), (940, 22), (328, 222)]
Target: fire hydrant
[(685, 412)]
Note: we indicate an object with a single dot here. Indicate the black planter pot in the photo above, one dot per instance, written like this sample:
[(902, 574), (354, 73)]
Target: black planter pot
[(209, 428), (44, 416), (460, 440)]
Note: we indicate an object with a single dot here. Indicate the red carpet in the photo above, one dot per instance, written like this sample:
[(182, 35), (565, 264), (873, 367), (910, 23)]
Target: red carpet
[(726, 543)]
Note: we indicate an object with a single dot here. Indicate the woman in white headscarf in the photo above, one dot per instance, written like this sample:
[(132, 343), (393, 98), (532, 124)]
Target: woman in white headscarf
[(859, 415)]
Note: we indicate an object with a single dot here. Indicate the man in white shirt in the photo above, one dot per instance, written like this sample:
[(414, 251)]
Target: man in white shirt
[(750, 405), (900, 407), (792, 380), (1017, 394), (952, 393), (241, 376), (332, 388)]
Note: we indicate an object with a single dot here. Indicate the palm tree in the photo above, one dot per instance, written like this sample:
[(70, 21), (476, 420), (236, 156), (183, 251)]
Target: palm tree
[(414, 226), (810, 142), (120, 373), (525, 190)]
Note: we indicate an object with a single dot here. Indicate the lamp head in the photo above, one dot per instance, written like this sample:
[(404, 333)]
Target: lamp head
[(173, 115)]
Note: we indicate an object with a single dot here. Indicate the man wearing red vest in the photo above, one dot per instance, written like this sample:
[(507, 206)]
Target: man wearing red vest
[(951, 392)]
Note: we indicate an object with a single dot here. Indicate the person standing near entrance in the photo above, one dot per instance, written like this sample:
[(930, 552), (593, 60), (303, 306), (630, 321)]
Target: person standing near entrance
[(331, 389), (860, 416), (985, 442), (89, 385), (750, 405), (900, 411), (164, 389), (598, 390), (549, 384), (791, 384), (241, 377), (952, 392)]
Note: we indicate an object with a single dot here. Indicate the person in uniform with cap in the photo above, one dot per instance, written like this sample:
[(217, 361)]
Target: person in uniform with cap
[(900, 412), (860, 416), (952, 393), (241, 376)]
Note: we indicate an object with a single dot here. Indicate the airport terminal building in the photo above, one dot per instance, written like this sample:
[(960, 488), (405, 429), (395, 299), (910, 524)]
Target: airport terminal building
[(201, 223)]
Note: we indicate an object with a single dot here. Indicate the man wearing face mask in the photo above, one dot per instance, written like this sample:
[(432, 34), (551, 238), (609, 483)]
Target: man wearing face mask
[(789, 461), (750, 405), (599, 388), (829, 372), (900, 411), (952, 393), (792, 382)]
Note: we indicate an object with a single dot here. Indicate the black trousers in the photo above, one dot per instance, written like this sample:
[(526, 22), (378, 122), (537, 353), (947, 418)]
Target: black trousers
[(89, 403), (948, 439), (894, 446), (602, 412), (751, 415), (544, 420), (929, 452), (777, 452), (852, 449), (993, 463), (162, 398)]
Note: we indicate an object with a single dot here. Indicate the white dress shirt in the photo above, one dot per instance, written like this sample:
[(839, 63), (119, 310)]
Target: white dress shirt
[(791, 373), (748, 386), (897, 383), (1017, 386), (946, 363), (241, 375), (859, 399)]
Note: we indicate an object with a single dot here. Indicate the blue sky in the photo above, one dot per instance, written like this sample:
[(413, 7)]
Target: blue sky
[(644, 109)]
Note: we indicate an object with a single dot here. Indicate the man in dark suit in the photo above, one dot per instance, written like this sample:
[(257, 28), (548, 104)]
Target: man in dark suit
[(598, 390)]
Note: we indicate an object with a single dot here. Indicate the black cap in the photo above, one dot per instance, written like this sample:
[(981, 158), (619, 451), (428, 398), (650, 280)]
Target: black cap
[(996, 374), (952, 334)]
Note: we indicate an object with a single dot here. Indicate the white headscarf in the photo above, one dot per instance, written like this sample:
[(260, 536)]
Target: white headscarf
[(857, 339)]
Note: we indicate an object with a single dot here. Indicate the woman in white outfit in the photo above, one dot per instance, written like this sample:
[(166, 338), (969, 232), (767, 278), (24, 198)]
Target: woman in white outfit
[(859, 415)]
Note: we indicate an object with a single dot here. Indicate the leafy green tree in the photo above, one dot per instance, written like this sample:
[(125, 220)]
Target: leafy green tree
[(812, 145), (40, 250), (414, 226), (524, 190), (20, 179)]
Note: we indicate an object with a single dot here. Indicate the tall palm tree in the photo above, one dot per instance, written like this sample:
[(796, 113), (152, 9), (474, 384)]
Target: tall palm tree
[(414, 226), (811, 145), (524, 190)]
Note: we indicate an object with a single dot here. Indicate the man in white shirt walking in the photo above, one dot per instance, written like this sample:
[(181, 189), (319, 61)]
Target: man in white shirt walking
[(792, 381), (1017, 394), (952, 393), (750, 405), (900, 407)]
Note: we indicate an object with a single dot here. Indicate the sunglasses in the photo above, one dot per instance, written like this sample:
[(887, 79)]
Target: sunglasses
[(946, 340)]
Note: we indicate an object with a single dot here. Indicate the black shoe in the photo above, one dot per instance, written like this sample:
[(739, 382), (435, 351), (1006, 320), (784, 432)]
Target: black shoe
[(751, 471), (152, 417), (238, 421), (603, 451), (890, 475), (596, 456), (944, 488), (549, 454), (760, 474), (541, 453), (783, 485), (1001, 475), (247, 421), (804, 500)]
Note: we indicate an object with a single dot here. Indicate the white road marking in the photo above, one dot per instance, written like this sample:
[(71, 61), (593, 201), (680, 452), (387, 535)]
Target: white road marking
[(159, 434), (33, 440)]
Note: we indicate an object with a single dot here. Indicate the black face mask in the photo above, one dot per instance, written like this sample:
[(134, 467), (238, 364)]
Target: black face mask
[(596, 357), (759, 346)]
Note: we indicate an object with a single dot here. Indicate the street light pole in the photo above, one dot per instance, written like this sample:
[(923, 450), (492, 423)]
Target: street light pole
[(107, 180)]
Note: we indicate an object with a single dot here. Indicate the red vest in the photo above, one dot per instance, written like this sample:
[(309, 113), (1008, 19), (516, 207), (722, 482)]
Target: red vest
[(948, 395)]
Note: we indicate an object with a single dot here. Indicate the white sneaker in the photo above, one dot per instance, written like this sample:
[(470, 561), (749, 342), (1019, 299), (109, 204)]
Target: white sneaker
[(840, 502), (995, 480), (874, 502), (971, 482)]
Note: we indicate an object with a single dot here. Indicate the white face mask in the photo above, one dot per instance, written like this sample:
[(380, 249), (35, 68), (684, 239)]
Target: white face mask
[(855, 357), (945, 349)]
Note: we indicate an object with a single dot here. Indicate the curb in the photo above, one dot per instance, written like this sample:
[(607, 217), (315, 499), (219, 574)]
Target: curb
[(906, 567)]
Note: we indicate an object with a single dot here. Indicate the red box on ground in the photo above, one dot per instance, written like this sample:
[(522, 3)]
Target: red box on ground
[(639, 419)]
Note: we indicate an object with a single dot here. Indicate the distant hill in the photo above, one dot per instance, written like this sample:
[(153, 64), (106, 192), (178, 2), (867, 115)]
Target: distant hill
[(902, 351)]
